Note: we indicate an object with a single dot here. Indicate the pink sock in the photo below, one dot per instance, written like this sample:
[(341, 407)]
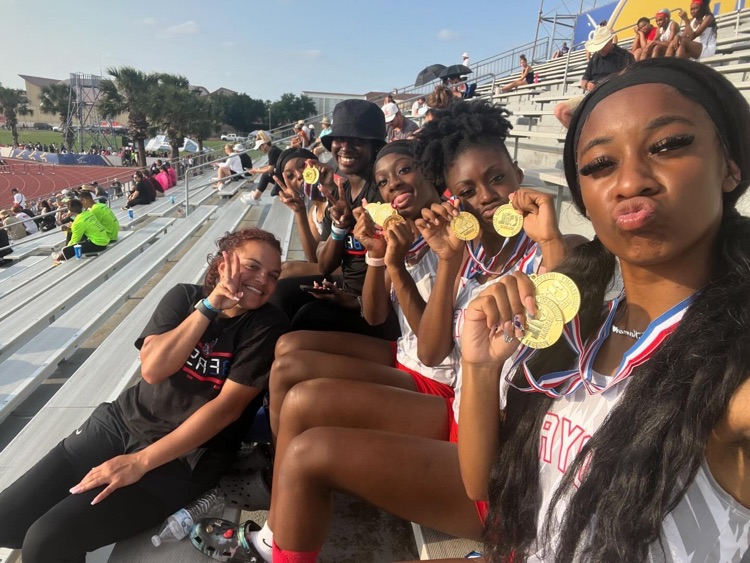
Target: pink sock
[(284, 556)]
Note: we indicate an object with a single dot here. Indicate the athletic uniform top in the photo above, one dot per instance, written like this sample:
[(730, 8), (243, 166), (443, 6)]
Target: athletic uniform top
[(707, 38), (423, 273), (238, 348), (469, 289), (107, 219), (707, 525), (665, 33)]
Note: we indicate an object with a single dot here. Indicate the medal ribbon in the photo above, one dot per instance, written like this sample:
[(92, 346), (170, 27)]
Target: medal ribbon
[(523, 253), (658, 331)]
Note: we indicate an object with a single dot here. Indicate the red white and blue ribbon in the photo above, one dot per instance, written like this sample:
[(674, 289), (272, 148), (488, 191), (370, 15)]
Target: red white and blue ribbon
[(563, 383), (523, 254), (416, 247)]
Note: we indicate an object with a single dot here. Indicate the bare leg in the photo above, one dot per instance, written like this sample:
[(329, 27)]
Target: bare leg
[(303, 365), (563, 114), (689, 49), (356, 404), (417, 479), (341, 343)]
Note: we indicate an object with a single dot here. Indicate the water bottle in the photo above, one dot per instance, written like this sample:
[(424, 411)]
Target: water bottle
[(130, 213), (179, 524), (171, 199)]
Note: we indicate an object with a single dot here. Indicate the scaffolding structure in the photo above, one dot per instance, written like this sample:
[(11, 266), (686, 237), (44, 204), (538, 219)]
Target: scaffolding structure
[(559, 23), (89, 131)]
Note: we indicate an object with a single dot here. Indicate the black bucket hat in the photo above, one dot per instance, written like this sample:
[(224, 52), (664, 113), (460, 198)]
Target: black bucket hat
[(359, 119)]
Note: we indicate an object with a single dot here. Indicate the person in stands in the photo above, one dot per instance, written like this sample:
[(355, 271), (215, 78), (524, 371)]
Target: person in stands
[(645, 34), (85, 230), (231, 167), (14, 227), (527, 76), (357, 136), (607, 59), (205, 358), (140, 194), (399, 126), (636, 449), (698, 38), (264, 144), (667, 29), (102, 212)]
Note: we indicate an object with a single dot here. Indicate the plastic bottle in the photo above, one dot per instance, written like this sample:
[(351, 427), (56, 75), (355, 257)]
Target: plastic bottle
[(171, 199), (179, 524)]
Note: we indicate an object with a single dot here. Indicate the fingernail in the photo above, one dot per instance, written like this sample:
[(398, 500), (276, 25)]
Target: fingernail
[(73, 490), (518, 325), (495, 329), (507, 334), (529, 314), (508, 339)]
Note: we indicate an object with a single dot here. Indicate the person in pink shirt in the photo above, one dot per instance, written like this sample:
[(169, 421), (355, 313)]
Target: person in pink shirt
[(163, 178), (172, 175)]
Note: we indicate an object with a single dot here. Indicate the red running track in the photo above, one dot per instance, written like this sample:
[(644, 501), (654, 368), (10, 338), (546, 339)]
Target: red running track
[(39, 181)]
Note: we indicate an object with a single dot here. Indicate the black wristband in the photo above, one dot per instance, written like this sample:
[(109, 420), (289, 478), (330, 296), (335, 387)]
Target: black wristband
[(205, 311)]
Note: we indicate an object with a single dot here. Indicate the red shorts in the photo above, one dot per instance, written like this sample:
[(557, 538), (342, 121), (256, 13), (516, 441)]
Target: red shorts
[(429, 386)]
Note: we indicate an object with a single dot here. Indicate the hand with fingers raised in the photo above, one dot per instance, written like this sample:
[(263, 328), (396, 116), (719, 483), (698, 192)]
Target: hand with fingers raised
[(289, 197), (496, 319), (435, 229), (338, 206), (228, 290), (368, 233)]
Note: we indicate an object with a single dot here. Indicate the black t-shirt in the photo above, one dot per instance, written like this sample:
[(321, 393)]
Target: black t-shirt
[(273, 157), (239, 348), (353, 266), (600, 67), (246, 161)]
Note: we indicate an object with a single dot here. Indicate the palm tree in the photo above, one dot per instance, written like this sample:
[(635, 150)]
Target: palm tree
[(13, 103), (56, 98), (129, 91), (172, 107)]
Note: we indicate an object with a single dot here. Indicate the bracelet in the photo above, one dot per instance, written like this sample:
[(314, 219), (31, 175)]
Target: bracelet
[(210, 314), (340, 231), (334, 236), (208, 305), (372, 261)]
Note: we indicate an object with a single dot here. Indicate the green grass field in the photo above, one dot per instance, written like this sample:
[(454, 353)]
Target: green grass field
[(49, 137)]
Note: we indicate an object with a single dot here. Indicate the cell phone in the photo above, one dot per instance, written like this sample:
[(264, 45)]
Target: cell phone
[(315, 289)]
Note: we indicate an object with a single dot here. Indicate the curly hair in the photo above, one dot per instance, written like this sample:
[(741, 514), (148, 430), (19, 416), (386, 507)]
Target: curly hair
[(229, 242), (650, 448), (463, 125)]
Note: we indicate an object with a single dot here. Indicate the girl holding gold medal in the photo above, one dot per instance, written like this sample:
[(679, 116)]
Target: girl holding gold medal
[(408, 467), (627, 440)]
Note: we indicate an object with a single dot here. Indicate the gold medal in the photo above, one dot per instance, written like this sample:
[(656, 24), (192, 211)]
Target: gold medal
[(546, 327), (392, 220), (311, 175), (372, 209), (465, 226), (382, 213), (560, 289), (507, 221)]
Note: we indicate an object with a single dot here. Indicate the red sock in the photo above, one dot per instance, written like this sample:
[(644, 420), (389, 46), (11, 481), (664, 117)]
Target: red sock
[(284, 556)]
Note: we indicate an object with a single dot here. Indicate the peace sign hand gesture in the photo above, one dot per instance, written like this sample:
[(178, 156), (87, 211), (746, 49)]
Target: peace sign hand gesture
[(339, 210), (289, 197), (228, 290)]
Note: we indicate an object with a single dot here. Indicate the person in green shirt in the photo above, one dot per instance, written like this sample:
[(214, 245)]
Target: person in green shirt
[(102, 212), (85, 230)]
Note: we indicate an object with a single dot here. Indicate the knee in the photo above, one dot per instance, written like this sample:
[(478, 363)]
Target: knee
[(308, 455), (286, 372), (288, 342), (46, 542), (302, 404)]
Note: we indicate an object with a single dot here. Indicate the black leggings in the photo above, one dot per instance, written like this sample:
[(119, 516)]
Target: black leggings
[(140, 200), (39, 514), (87, 247), (308, 313), (263, 182)]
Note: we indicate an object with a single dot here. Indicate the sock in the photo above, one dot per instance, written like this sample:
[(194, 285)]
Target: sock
[(284, 556), (263, 542)]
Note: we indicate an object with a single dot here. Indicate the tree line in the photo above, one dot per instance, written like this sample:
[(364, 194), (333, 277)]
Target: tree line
[(161, 102)]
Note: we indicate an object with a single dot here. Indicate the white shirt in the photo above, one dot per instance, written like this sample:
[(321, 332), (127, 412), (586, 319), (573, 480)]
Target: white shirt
[(28, 223), (19, 199)]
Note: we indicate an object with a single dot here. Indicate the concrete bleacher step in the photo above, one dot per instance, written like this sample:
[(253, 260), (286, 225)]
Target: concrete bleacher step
[(230, 189), (53, 297), (432, 544), (18, 267), (26, 368)]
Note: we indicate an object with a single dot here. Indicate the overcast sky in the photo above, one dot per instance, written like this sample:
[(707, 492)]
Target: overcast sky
[(262, 48)]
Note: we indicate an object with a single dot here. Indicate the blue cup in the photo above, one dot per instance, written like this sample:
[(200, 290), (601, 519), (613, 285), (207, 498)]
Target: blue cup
[(130, 213), (78, 251)]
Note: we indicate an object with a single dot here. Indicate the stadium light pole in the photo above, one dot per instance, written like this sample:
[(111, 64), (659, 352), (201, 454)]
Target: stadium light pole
[(536, 35), (269, 119)]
